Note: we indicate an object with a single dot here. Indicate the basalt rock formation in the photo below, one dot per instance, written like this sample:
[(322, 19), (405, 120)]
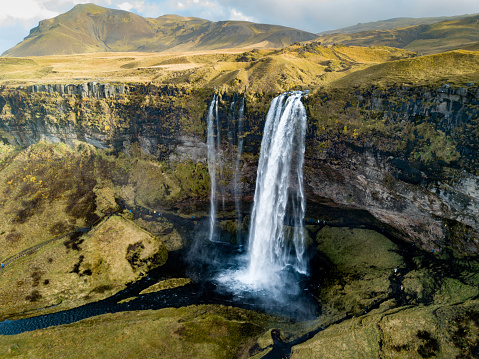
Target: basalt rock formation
[(405, 155)]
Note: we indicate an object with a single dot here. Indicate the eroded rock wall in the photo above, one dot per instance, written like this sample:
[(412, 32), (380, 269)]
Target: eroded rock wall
[(406, 155)]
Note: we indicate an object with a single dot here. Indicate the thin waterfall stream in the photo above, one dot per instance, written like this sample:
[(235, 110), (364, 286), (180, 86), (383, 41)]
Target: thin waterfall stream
[(211, 167), (236, 178)]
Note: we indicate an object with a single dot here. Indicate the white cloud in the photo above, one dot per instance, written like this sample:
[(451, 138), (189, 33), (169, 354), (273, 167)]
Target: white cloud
[(127, 6), (180, 5), (24, 10), (237, 15)]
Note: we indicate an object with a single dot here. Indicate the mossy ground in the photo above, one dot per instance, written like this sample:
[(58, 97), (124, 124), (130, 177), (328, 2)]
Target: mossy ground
[(49, 190), (449, 331), (397, 303), (189, 332), (79, 269), (166, 284), (360, 265)]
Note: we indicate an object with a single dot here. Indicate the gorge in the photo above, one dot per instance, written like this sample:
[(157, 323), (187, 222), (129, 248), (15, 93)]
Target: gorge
[(171, 176)]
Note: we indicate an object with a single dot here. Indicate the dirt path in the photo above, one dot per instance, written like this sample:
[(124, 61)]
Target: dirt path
[(32, 249)]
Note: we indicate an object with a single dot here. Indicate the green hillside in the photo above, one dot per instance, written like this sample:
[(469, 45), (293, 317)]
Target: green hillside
[(425, 39), (391, 24), (454, 67), (91, 28)]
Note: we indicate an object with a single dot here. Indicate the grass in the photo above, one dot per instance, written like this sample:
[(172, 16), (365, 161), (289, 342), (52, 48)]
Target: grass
[(448, 331), (51, 189), (308, 66), (234, 69), (166, 284), (456, 67), (72, 272), (190, 332), (425, 39), (365, 260)]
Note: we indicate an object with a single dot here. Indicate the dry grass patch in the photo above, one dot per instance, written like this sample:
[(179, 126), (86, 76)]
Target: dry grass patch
[(297, 66), (166, 284), (80, 269), (452, 67)]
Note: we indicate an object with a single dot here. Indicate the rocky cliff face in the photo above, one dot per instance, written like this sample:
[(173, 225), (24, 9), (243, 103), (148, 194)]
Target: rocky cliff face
[(108, 116), (405, 155)]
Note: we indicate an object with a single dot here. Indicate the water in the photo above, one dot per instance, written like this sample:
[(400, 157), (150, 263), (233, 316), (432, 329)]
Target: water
[(237, 190), (275, 252), (216, 156), (271, 276), (212, 166)]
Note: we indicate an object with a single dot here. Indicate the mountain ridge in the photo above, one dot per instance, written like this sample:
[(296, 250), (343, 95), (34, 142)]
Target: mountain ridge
[(392, 24), (426, 39), (92, 28)]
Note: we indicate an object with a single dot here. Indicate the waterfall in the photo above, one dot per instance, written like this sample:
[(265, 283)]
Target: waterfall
[(279, 178), (237, 191), (221, 188), (212, 166)]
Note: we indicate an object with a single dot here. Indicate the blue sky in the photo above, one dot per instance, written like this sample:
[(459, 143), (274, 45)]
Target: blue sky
[(17, 17)]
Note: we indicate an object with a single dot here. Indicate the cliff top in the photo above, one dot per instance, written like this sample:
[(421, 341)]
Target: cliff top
[(299, 66), (265, 70)]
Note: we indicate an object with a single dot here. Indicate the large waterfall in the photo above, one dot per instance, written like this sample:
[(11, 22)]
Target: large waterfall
[(276, 235), (279, 180)]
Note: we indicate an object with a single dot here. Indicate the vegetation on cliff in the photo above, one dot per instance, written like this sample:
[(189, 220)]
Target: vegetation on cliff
[(48, 192)]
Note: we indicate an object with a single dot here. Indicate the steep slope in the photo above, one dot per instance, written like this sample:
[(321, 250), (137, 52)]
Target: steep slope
[(91, 28), (426, 39)]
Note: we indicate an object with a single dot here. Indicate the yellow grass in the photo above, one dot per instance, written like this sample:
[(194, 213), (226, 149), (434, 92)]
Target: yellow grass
[(50, 270), (259, 70)]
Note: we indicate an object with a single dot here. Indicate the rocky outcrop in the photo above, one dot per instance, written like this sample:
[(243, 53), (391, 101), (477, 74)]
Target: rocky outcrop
[(90, 89), (407, 156), (108, 116), (453, 111)]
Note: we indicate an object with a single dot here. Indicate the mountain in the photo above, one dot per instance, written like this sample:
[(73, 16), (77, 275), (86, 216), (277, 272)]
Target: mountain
[(392, 24), (426, 39), (91, 28)]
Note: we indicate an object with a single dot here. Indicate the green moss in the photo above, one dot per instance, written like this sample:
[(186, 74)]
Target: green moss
[(189, 332), (193, 178), (432, 145)]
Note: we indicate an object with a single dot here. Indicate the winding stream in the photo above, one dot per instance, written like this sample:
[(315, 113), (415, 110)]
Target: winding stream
[(207, 291)]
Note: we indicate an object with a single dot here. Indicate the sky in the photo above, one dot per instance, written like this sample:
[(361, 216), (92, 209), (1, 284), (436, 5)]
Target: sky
[(17, 17)]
